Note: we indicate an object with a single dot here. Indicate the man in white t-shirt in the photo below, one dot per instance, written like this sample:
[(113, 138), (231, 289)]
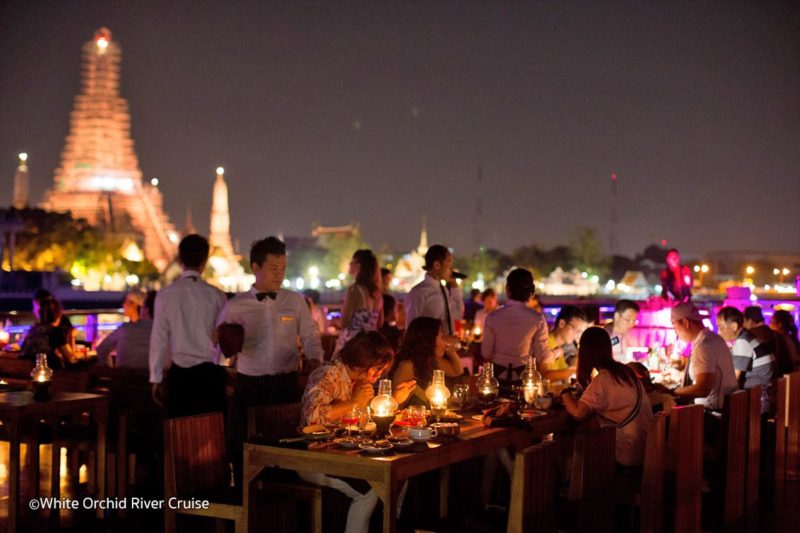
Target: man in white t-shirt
[(710, 368)]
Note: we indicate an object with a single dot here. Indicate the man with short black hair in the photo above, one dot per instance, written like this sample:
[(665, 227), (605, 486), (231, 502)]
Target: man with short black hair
[(514, 332), (568, 328), (438, 295), (710, 369), (753, 360), (626, 313), (183, 338), (755, 324), (489, 301), (273, 318)]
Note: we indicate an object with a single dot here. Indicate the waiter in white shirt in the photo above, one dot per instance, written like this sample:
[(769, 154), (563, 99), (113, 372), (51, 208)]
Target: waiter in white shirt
[(182, 338), (273, 318), (438, 295)]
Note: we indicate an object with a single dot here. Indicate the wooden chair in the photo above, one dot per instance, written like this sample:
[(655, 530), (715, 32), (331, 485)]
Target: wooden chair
[(685, 462), (132, 415), (195, 466), (592, 473), (793, 427), (731, 456), (646, 493), (776, 432), (273, 421), (651, 497), (534, 487), (753, 453)]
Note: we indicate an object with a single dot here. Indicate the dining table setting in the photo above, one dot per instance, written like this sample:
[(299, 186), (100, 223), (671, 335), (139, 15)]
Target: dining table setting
[(418, 440)]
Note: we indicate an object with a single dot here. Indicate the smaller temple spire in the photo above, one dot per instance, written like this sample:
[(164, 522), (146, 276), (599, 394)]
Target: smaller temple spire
[(423, 237), (21, 183), (188, 224), (220, 231)]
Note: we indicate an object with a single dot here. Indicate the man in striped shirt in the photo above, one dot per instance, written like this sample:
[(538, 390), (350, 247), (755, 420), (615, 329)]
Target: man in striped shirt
[(753, 358)]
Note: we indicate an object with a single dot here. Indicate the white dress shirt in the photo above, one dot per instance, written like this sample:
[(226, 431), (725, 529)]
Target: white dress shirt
[(271, 328), (185, 316), (514, 332), (426, 299)]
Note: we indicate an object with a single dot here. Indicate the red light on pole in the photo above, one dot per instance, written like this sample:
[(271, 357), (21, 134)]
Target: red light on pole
[(613, 176), (663, 242)]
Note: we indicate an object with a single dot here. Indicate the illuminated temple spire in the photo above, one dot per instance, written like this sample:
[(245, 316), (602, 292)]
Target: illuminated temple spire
[(21, 183), (220, 231), (423, 237), (99, 177)]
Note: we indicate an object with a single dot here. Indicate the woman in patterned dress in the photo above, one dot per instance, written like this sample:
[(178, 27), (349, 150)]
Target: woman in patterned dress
[(333, 390), (363, 301)]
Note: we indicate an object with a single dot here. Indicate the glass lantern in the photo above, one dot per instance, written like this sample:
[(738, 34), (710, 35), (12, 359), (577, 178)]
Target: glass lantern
[(383, 407), (41, 376), (487, 384), (438, 394), (531, 381)]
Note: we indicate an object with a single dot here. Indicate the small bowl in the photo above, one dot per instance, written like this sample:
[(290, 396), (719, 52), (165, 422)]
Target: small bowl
[(447, 429)]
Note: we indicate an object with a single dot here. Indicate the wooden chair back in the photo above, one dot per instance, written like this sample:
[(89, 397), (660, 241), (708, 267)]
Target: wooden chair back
[(733, 454), (273, 420), (194, 455), (780, 423), (652, 492), (793, 427), (127, 388), (534, 487), (753, 452), (685, 456), (592, 473)]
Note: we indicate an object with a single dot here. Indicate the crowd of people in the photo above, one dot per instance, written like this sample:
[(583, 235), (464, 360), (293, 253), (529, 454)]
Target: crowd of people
[(181, 333)]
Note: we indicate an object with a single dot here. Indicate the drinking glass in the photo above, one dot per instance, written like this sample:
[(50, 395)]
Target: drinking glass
[(459, 396), (416, 415), (350, 419), (544, 390)]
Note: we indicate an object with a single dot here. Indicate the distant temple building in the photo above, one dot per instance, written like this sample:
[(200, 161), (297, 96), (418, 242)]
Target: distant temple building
[(409, 269), (21, 183), (99, 178), (226, 270)]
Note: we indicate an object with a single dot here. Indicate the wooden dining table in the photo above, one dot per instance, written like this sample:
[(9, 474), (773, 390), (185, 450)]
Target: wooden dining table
[(386, 473), (19, 411)]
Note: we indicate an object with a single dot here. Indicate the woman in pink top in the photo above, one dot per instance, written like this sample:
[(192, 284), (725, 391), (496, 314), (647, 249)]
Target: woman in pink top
[(614, 394)]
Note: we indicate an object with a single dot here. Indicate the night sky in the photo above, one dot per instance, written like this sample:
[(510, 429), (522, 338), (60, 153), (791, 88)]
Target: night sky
[(381, 112)]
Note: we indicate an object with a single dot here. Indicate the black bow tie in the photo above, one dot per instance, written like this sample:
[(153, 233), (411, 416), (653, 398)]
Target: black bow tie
[(262, 295)]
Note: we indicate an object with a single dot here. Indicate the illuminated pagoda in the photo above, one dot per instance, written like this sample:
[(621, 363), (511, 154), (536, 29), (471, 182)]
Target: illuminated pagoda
[(99, 178), (224, 265)]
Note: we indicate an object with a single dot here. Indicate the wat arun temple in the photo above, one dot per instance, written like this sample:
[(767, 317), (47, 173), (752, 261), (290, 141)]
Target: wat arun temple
[(99, 178)]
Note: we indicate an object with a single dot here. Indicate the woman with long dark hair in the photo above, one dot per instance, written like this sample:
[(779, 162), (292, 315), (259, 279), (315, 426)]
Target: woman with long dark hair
[(422, 351), (363, 300), (783, 323), (614, 395), (46, 337)]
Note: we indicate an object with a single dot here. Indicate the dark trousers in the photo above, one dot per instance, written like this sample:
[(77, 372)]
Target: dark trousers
[(195, 390), (254, 391)]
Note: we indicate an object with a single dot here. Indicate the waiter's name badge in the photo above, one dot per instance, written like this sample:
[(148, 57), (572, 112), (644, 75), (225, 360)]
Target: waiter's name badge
[(287, 318)]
